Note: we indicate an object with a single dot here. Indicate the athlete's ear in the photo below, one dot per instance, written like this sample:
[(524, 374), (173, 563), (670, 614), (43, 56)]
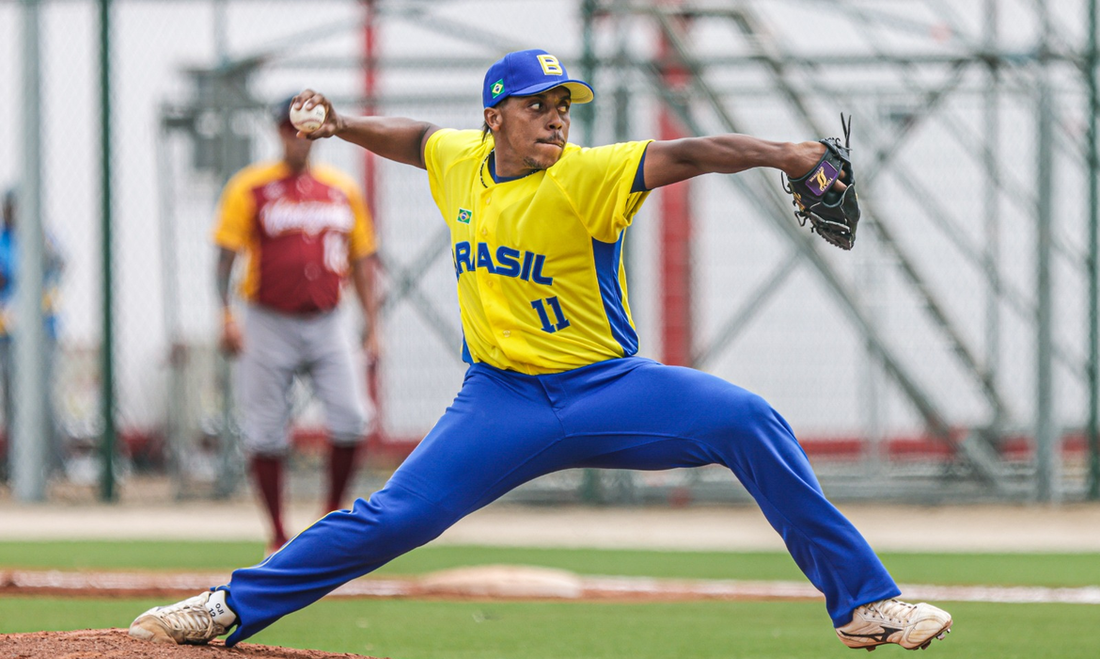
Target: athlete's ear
[(493, 118)]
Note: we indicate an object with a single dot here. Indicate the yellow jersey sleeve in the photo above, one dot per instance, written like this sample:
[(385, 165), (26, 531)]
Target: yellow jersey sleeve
[(361, 239), (236, 208), (598, 182), (446, 148)]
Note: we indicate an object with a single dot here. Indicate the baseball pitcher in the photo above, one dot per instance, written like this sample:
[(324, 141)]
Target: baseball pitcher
[(537, 227)]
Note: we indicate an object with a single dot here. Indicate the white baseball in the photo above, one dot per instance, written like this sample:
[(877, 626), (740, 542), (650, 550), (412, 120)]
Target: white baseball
[(309, 120)]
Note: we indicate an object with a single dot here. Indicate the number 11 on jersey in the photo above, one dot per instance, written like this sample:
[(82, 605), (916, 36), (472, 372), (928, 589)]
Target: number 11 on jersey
[(540, 307)]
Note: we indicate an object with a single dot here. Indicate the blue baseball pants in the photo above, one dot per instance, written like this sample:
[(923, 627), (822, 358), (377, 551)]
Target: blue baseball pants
[(505, 429)]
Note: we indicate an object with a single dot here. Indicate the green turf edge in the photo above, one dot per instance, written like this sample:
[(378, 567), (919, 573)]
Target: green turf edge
[(1052, 570)]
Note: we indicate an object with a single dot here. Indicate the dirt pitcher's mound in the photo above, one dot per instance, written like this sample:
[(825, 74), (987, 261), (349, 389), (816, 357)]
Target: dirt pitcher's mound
[(117, 644)]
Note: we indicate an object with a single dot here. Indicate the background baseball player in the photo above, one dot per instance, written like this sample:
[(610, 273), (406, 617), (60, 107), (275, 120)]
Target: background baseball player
[(303, 227), (53, 268), (537, 227)]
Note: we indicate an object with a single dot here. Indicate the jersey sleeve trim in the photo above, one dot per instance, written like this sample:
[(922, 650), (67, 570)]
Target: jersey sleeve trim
[(634, 198)]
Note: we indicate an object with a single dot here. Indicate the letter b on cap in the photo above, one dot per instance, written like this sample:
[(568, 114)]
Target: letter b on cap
[(550, 65)]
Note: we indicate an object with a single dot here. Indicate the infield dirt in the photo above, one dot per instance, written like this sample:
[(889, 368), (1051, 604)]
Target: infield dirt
[(117, 644)]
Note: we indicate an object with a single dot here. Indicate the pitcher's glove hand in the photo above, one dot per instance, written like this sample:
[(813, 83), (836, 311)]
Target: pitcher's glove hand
[(833, 214)]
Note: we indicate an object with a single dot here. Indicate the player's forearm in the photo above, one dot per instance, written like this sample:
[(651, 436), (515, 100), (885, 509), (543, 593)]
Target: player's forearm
[(394, 138), (224, 274), (732, 153), (231, 341), (677, 160), (363, 277)]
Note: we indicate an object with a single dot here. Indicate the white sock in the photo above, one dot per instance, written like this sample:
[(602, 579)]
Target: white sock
[(219, 610)]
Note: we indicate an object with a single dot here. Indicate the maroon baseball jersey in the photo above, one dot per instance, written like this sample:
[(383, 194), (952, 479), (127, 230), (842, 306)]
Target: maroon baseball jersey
[(300, 232)]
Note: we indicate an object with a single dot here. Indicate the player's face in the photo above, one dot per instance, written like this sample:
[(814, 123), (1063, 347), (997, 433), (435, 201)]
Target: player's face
[(295, 149), (531, 131)]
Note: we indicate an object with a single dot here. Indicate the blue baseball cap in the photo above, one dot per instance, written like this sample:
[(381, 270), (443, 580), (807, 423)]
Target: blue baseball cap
[(530, 72)]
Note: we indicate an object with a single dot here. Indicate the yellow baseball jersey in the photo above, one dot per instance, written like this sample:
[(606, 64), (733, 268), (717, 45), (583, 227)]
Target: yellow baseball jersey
[(541, 285)]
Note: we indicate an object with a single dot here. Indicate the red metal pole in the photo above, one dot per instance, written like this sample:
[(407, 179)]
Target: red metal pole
[(370, 17), (677, 327), (370, 187)]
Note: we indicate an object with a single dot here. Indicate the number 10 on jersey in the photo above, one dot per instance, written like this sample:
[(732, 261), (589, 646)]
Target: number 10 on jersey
[(555, 308)]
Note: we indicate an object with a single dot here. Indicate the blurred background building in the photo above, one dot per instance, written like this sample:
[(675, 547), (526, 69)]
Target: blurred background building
[(951, 356)]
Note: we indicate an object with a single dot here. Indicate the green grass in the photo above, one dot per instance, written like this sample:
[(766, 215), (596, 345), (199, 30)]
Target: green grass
[(409, 629), (128, 555), (1054, 570)]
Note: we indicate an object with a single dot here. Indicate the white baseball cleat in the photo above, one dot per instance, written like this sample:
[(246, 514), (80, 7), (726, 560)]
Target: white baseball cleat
[(196, 621), (911, 626)]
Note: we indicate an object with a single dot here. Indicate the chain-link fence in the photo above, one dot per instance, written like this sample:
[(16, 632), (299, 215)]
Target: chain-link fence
[(936, 361)]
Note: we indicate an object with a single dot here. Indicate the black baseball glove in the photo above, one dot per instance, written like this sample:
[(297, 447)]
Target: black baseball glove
[(832, 214)]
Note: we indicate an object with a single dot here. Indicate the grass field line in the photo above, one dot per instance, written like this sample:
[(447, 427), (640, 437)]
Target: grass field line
[(899, 528), (512, 582)]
